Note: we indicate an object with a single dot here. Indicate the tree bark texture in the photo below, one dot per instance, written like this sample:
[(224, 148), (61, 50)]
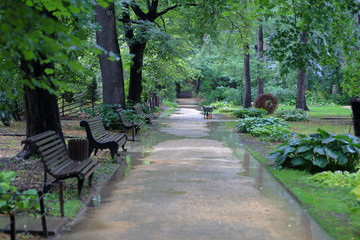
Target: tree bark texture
[(42, 111), (111, 71), (355, 106), (247, 81), (260, 49), (301, 84), (137, 50)]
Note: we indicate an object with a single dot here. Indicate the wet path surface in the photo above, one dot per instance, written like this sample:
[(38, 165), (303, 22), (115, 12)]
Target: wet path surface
[(192, 179)]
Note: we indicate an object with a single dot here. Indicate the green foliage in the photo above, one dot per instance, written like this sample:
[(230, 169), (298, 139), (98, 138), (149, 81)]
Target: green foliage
[(318, 152), (220, 104), (337, 178), (293, 115), (284, 95), (267, 129), (169, 104), (250, 112), (5, 111), (11, 199), (105, 112)]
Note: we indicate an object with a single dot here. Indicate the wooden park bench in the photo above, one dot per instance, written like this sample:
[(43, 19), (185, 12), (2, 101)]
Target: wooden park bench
[(99, 138), (56, 161), (135, 126), (148, 116)]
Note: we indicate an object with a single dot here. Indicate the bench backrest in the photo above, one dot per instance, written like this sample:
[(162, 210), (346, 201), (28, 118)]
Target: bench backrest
[(124, 118), (95, 129), (50, 148), (138, 109)]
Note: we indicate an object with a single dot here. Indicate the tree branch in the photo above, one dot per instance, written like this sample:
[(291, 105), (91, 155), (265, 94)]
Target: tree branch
[(173, 7), (139, 13)]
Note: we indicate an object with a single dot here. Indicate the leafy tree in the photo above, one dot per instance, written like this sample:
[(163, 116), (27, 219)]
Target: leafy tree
[(110, 59), (34, 35)]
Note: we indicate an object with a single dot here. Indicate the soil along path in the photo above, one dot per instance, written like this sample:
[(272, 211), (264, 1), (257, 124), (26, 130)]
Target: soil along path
[(191, 179)]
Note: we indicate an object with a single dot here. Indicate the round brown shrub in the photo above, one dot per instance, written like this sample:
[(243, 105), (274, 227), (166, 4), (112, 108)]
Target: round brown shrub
[(266, 101)]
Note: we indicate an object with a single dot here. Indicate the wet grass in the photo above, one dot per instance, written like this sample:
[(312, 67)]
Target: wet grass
[(324, 111), (330, 207)]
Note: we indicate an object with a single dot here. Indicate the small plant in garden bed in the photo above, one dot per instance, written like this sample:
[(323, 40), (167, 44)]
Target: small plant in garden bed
[(221, 104), (250, 112), (318, 152), (337, 178), (11, 199), (105, 112), (293, 115), (267, 129)]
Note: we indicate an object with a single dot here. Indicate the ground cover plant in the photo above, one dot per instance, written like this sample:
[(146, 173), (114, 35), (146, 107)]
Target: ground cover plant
[(267, 129), (250, 112), (293, 115), (318, 152)]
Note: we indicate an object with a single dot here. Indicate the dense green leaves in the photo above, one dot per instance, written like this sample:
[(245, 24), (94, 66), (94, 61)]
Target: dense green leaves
[(320, 151)]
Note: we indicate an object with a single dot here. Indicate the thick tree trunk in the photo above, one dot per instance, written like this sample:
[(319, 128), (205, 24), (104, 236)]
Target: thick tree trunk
[(41, 107), (137, 50), (111, 71), (301, 86), (247, 81), (260, 49)]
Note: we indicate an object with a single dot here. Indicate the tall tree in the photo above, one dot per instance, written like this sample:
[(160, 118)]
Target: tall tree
[(137, 33), (247, 79), (38, 39), (110, 59), (260, 55)]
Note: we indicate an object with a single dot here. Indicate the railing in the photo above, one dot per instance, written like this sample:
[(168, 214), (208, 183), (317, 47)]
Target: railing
[(67, 108)]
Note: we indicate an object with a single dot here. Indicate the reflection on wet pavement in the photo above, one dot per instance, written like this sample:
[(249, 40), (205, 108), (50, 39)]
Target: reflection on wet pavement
[(190, 178)]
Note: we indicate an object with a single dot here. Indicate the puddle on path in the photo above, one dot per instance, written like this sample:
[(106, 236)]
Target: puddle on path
[(192, 179)]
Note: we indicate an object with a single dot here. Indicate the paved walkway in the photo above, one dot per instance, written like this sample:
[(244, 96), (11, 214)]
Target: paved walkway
[(190, 186)]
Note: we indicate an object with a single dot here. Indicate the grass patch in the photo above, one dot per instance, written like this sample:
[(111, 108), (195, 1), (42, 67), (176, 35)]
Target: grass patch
[(312, 126), (324, 111), (330, 207)]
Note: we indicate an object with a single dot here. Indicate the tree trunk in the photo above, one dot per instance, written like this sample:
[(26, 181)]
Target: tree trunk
[(247, 81), (111, 71), (137, 50), (301, 86), (197, 87), (355, 106), (260, 49), (41, 107)]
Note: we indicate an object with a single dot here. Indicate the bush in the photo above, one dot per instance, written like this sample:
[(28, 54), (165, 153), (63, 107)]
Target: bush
[(266, 101), (220, 104), (106, 113), (250, 112), (293, 115), (337, 178), (318, 152), (11, 199), (283, 95), (267, 129), (169, 104)]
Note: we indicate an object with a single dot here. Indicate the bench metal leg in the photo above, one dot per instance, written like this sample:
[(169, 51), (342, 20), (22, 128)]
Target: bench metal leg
[(90, 179), (80, 185)]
